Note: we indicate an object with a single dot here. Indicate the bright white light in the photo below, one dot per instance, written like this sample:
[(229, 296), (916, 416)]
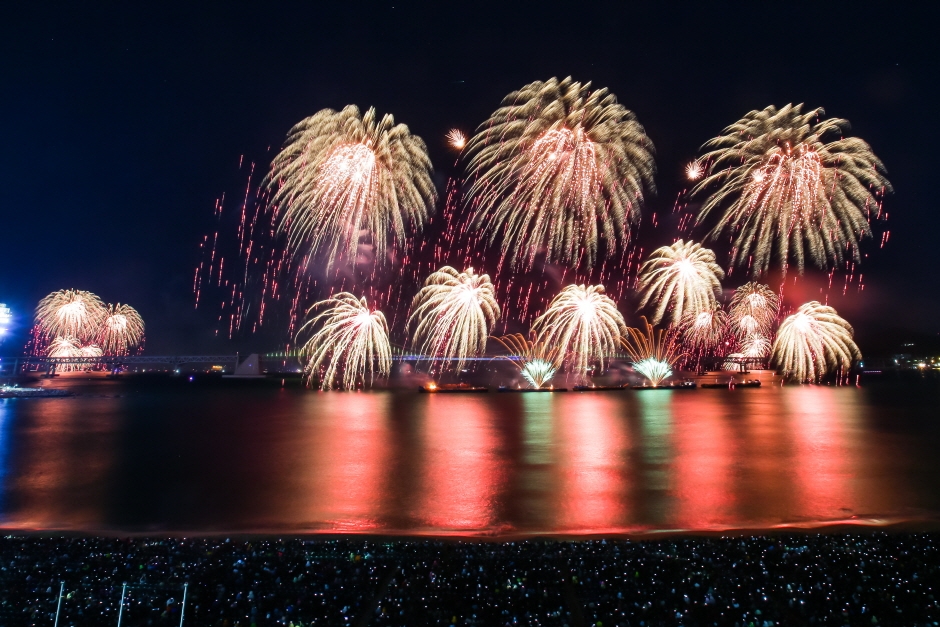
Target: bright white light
[(6, 317)]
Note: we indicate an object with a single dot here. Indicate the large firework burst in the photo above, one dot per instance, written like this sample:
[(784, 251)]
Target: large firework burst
[(70, 313), (342, 176), (557, 168), (537, 362), (121, 331), (680, 279), (584, 325), (453, 314), (786, 191), (350, 348), (654, 352), (753, 311), (813, 342)]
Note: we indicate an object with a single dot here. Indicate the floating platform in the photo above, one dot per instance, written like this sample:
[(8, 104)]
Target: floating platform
[(526, 390), (17, 392), (676, 386), (754, 383), (599, 388), (451, 389)]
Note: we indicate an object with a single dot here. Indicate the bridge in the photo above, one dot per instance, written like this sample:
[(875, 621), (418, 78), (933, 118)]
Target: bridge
[(50, 364)]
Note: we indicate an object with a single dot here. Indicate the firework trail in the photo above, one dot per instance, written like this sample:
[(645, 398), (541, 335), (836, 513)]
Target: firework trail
[(121, 331), (680, 279), (343, 177), (453, 314), (813, 342), (556, 169), (584, 325), (70, 313), (537, 362), (785, 191), (653, 352), (350, 348)]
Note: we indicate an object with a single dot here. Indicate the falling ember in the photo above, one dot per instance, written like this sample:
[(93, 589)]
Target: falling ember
[(456, 139)]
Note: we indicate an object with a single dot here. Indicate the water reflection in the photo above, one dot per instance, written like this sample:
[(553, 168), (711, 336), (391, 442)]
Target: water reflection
[(462, 472), (345, 442), (591, 443), (491, 463)]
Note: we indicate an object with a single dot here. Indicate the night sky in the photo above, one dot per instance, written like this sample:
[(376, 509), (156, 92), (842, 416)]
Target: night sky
[(121, 124)]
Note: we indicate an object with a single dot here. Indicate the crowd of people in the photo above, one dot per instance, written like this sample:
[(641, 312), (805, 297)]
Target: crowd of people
[(840, 579)]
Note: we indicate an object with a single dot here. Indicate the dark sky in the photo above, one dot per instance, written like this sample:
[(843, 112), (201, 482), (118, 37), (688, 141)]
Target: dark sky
[(121, 123)]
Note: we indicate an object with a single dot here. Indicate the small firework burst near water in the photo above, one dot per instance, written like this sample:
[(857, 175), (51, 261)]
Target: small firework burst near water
[(813, 342), (702, 332), (537, 362), (349, 347), (585, 326), (753, 311), (453, 314), (678, 280), (654, 352)]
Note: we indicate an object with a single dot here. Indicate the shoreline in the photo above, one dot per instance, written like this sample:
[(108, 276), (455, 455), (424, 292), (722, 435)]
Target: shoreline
[(833, 527)]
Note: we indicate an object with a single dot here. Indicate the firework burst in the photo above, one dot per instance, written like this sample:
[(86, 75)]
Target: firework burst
[(702, 332), (70, 314), (694, 171), (350, 348), (342, 176), (786, 192), (753, 311), (557, 168), (813, 342), (680, 279), (64, 347), (584, 325), (536, 361), (653, 352), (121, 331), (453, 314), (456, 139)]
